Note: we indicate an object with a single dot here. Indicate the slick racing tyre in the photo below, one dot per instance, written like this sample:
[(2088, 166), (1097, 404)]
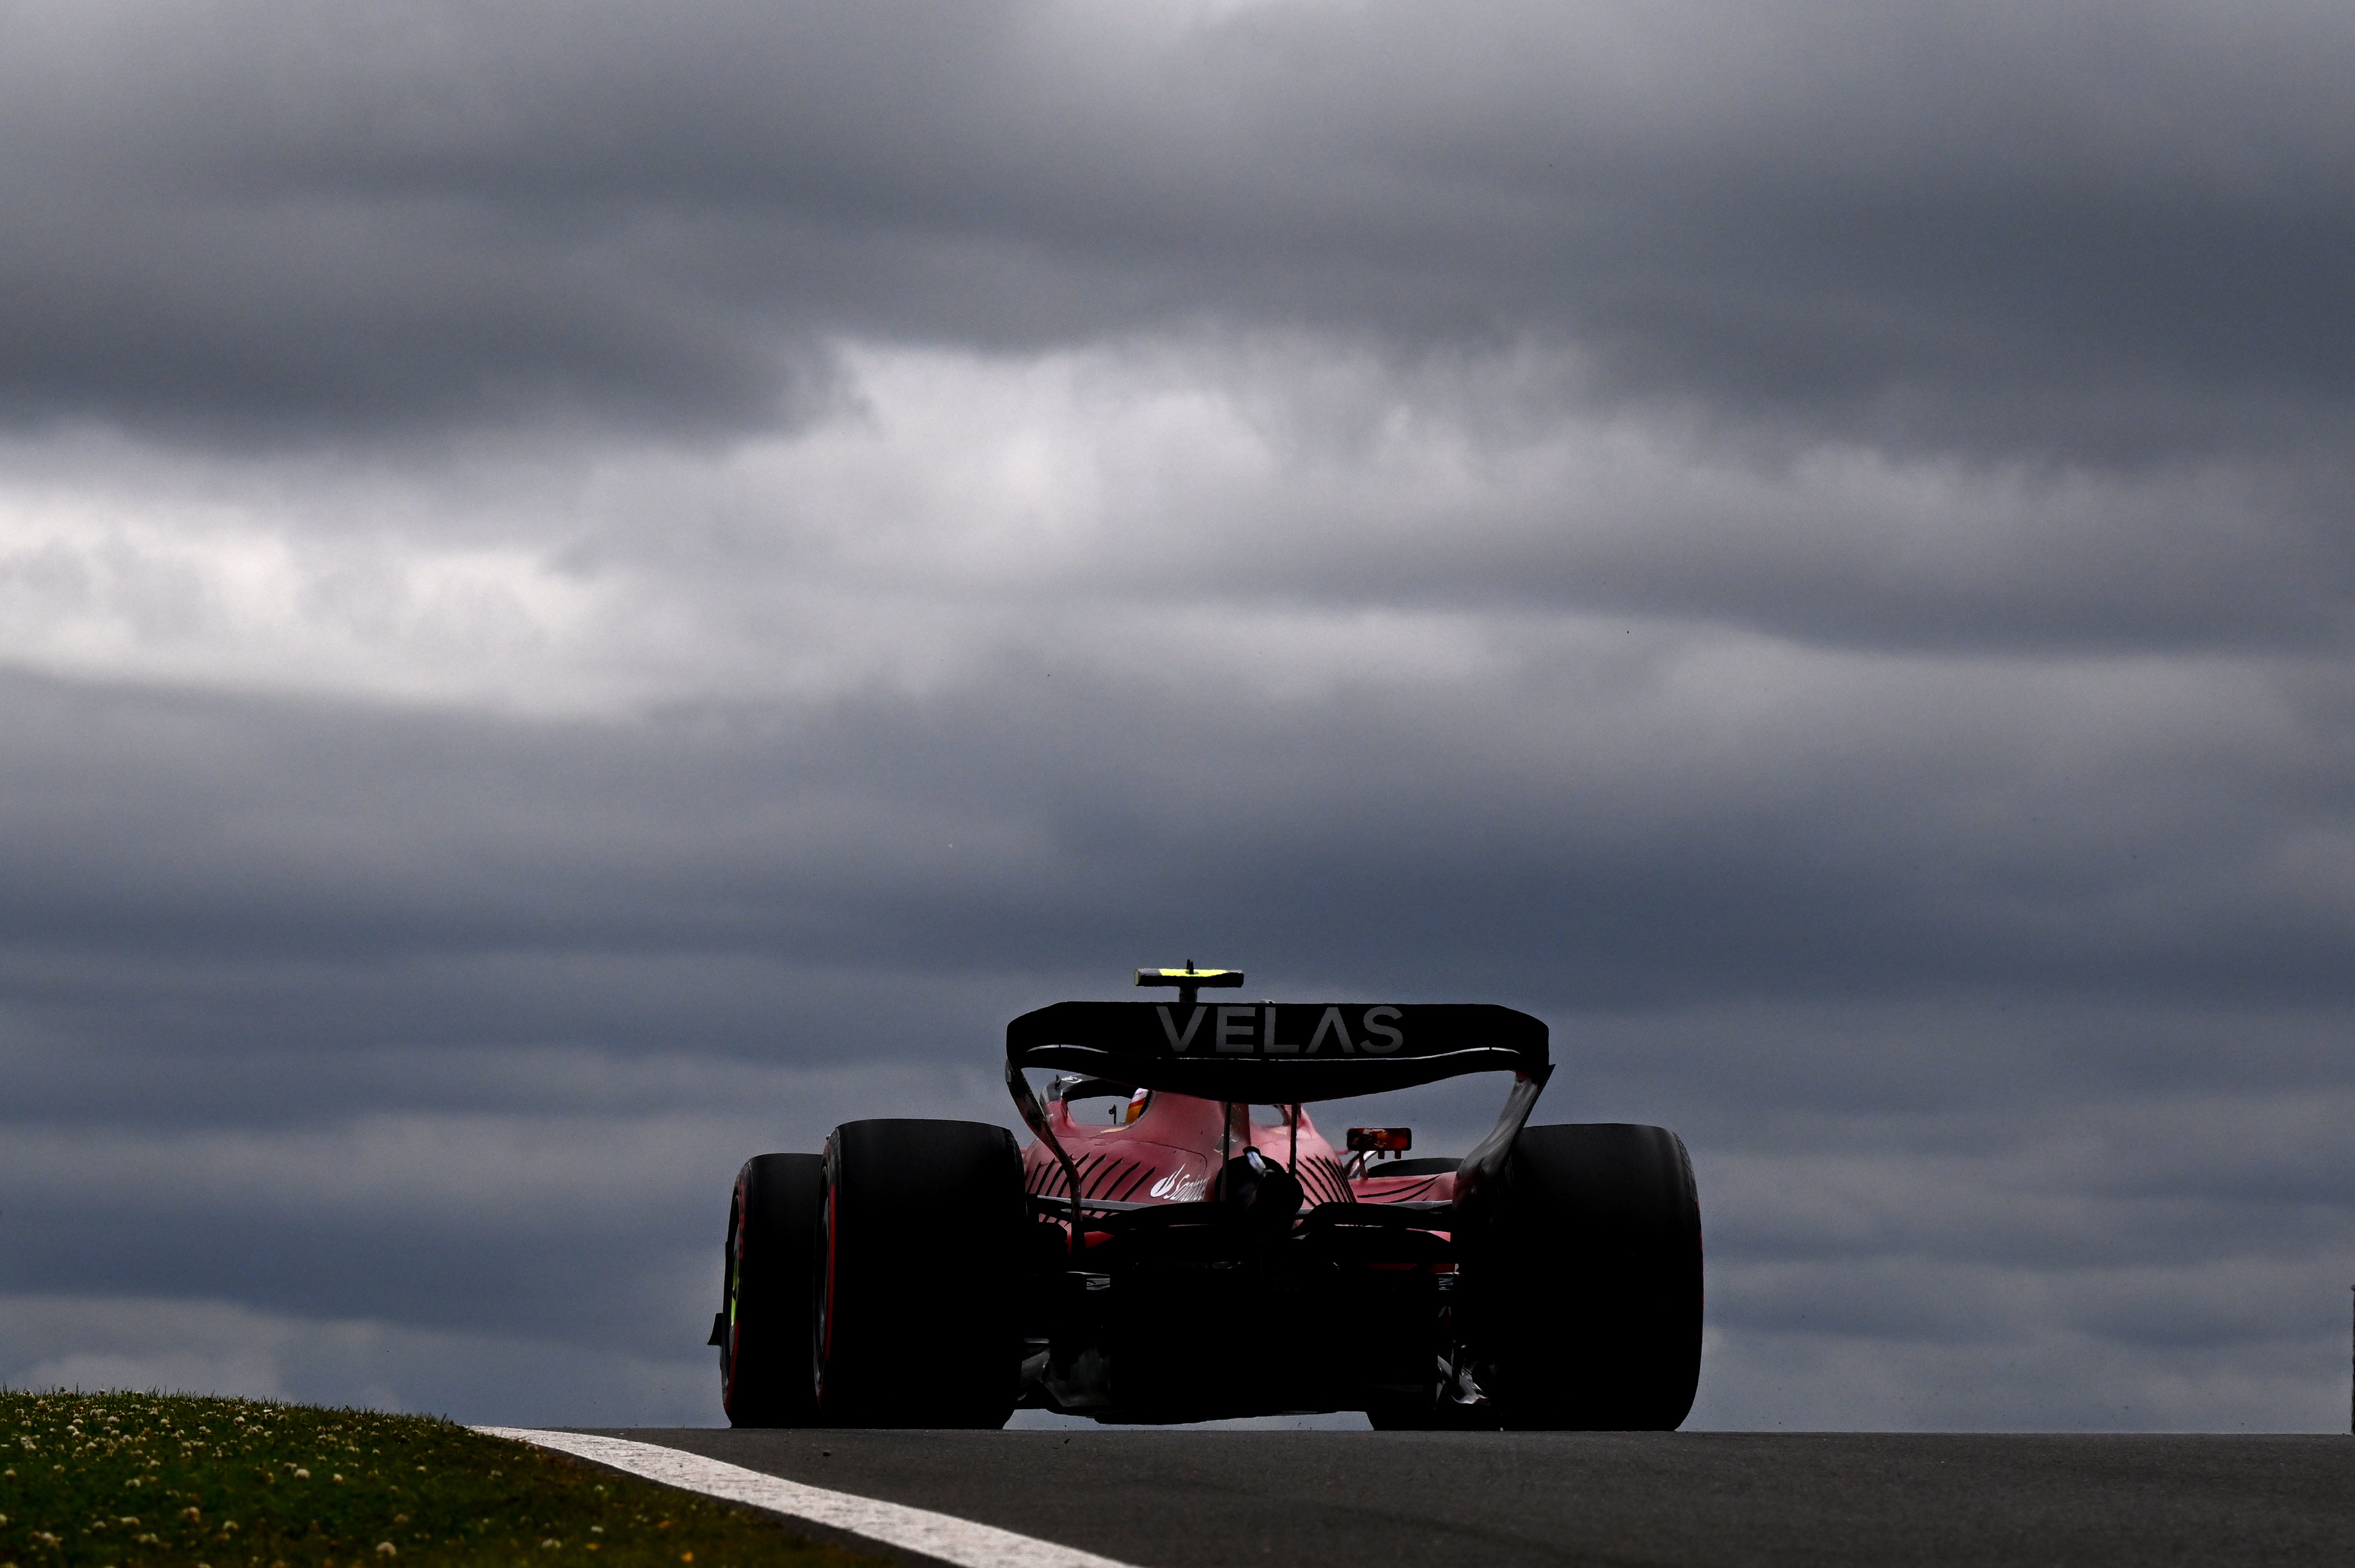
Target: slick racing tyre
[(1590, 1281), (764, 1320), (921, 1239)]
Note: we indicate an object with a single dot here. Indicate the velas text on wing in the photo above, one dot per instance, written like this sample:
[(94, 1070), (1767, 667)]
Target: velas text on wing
[(1260, 1030)]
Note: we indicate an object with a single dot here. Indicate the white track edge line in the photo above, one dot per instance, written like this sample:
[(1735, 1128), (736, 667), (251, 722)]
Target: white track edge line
[(941, 1535)]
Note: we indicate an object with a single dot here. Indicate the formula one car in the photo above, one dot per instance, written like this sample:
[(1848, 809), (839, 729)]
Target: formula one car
[(1188, 1246)]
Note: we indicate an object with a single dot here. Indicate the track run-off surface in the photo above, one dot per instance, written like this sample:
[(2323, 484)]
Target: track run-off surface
[(1179, 1499)]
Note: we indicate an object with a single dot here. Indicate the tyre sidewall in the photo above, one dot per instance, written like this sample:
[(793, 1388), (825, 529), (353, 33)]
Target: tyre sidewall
[(922, 1242), (1588, 1277), (769, 1257)]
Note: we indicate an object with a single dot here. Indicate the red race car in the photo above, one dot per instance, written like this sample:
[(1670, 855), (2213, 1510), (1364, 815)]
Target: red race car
[(1181, 1243)]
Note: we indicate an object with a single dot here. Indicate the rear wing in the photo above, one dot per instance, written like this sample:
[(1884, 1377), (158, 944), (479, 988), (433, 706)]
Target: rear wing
[(1281, 1054), (1277, 1053)]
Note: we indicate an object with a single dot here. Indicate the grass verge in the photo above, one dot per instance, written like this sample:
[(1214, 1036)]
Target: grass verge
[(123, 1480)]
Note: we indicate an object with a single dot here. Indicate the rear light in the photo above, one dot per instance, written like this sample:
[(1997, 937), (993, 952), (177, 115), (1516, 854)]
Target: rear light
[(1385, 1139)]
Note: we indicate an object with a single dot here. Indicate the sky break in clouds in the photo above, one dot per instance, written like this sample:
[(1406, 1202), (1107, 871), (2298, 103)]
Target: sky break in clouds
[(588, 590)]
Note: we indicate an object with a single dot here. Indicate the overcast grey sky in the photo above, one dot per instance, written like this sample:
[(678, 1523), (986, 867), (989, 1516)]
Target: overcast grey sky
[(589, 590)]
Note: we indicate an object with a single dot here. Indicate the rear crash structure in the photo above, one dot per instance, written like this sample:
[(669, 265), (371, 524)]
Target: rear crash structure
[(1180, 1243)]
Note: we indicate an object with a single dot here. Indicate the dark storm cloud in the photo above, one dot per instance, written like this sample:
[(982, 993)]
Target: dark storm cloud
[(2006, 832), (245, 878), (1844, 546), (2110, 232)]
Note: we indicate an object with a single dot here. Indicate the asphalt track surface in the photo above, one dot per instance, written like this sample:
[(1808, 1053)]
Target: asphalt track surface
[(1194, 1498)]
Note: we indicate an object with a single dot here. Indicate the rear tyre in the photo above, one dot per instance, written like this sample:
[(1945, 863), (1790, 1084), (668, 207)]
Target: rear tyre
[(765, 1320), (922, 1235), (1590, 1281)]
